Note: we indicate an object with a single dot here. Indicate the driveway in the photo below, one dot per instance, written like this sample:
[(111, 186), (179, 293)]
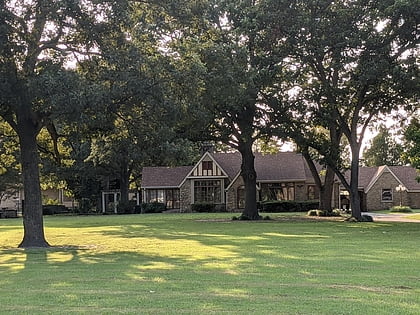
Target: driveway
[(391, 217)]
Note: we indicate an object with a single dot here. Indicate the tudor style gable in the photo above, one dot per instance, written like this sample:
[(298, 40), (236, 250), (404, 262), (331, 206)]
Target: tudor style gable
[(207, 167)]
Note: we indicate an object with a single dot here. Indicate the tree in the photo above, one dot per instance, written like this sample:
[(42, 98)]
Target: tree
[(412, 144), (383, 149), (226, 40), (353, 60), (36, 40)]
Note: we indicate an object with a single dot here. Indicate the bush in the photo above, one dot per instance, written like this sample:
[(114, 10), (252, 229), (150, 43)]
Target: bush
[(287, 206), (152, 207), (54, 209), (323, 213), (203, 207), (403, 209)]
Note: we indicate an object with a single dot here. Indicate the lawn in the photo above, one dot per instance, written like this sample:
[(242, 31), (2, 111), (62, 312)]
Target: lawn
[(207, 264)]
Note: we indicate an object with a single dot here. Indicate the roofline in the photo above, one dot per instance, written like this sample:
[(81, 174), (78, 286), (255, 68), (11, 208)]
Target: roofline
[(375, 178), (207, 153), (159, 187)]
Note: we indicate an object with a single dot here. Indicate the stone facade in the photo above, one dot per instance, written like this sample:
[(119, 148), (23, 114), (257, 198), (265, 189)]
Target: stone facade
[(232, 195), (185, 197), (374, 199), (413, 199)]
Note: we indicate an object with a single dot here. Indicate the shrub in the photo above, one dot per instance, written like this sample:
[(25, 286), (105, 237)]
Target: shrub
[(287, 206), (153, 207), (323, 213), (404, 209), (203, 207), (54, 209)]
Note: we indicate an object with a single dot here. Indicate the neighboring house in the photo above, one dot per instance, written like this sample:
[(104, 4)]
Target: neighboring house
[(216, 179), (386, 186)]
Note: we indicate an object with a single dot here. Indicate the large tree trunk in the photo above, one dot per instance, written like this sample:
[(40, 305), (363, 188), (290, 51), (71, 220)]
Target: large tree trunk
[(32, 215), (249, 176), (356, 210), (326, 191), (124, 206)]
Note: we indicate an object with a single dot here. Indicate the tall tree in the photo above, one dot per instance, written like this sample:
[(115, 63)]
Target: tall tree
[(36, 39), (354, 60), (383, 149), (227, 42), (412, 144)]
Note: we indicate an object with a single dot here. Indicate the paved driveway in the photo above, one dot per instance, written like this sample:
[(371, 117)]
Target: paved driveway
[(391, 217)]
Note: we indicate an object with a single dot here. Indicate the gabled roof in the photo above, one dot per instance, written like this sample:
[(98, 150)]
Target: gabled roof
[(405, 175), (165, 177), (283, 166)]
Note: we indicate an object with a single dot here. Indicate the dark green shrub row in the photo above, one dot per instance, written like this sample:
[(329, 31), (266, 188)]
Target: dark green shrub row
[(152, 207), (55, 209), (208, 207), (287, 206)]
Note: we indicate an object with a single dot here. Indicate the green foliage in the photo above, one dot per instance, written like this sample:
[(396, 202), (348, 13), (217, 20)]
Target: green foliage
[(207, 207), (323, 213), (412, 144), (383, 150), (153, 207), (287, 206), (403, 209)]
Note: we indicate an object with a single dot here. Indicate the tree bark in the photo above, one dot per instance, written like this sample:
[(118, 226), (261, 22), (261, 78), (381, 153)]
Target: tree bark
[(32, 216), (326, 191), (249, 176), (356, 210)]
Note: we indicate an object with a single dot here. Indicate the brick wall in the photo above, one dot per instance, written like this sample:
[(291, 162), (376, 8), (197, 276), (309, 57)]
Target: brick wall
[(374, 196), (185, 197)]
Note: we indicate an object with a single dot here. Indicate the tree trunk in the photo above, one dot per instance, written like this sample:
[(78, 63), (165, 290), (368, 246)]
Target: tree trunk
[(356, 210), (32, 215), (124, 206), (249, 176), (326, 191)]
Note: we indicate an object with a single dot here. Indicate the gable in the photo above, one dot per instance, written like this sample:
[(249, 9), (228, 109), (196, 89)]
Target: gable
[(206, 167)]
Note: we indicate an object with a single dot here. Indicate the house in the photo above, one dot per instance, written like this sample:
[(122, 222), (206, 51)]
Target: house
[(387, 186), (216, 179)]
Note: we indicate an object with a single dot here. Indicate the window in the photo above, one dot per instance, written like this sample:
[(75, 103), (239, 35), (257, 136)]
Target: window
[(278, 191), (155, 195), (170, 197), (208, 191), (311, 192), (207, 167), (386, 195)]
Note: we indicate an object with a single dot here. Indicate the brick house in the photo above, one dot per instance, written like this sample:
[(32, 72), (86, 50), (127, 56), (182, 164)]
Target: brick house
[(386, 186), (216, 179)]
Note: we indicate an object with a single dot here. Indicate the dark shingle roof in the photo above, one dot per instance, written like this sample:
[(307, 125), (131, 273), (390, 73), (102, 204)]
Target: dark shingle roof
[(407, 175), (164, 176), (283, 166)]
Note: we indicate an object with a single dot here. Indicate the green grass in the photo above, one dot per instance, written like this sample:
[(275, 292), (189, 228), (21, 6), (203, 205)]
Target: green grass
[(199, 264)]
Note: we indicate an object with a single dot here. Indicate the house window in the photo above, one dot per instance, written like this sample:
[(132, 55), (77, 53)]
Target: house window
[(207, 167), (170, 197), (386, 195), (311, 192), (209, 191), (278, 191), (156, 195)]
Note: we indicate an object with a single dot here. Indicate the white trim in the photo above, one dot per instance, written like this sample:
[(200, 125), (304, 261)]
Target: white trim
[(160, 187), (190, 176), (379, 174)]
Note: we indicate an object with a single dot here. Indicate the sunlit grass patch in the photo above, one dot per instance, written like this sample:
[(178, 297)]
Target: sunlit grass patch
[(196, 263)]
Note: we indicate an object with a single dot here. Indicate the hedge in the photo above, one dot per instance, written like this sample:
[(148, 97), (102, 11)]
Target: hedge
[(288, 206), (152, 207)]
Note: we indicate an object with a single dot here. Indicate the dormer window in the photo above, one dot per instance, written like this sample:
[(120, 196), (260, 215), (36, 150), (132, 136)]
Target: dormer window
[(207, 167)]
